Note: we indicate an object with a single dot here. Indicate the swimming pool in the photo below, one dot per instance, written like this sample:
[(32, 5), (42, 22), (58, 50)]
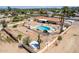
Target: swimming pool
[(44, 28)]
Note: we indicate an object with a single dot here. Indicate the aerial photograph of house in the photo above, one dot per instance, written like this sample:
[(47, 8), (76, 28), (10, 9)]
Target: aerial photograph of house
[(39, 29)]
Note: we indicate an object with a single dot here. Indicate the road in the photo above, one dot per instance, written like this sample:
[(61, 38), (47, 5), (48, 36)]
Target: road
[(69, 43)]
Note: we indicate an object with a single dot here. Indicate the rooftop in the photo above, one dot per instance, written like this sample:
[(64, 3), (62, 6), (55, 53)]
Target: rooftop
[(48, 18)]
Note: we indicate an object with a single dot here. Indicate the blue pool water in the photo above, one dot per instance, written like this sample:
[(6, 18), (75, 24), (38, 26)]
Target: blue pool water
[(43, 28)]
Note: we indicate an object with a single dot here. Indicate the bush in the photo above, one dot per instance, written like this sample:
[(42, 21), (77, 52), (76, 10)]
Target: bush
[(19, 36), (16, 19), (8, 39), (35, 19), (45, 31), (59, 38), (14, 26), (26, 41), (75, 35)]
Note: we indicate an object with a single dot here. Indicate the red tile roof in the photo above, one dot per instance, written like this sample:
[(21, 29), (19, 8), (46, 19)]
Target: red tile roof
[(48, 18)]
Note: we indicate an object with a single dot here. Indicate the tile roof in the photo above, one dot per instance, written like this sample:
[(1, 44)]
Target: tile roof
[(48, 18)]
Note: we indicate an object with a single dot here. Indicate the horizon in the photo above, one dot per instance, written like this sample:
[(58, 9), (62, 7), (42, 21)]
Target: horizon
[(30, 7), (26, 7)]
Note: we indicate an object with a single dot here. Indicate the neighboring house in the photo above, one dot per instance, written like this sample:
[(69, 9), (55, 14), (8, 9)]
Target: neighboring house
[(35, 12), (21, 15), (28, 12), (31, 19), (74, 18), (49, 13), (48, 19), (69, 21), (2, 15), (9, 15), (77, 14), (57, 16)]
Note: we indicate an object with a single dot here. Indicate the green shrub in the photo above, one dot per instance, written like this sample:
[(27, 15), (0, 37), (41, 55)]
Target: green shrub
[(14, 26), (45, 31), (75, 35), (8, 39), (35, 19), (26, 41), (59, 38), (19, 36), (17, 18)]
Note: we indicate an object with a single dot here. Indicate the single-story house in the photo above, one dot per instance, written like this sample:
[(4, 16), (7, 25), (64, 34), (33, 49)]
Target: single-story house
[(44, 19)]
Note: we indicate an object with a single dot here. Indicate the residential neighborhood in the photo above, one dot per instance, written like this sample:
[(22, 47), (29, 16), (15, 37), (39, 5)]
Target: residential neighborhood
[(39, 30)]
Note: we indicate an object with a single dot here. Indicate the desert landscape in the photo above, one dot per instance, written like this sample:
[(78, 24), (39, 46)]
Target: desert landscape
[(39, 30)]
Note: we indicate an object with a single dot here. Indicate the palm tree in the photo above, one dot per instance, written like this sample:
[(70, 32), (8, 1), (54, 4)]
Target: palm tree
[(61, 23), (68, 12), (9, 8), (65, 12), (39, 40)]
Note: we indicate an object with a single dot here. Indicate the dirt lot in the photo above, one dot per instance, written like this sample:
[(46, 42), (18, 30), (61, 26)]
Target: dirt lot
[(9, 45), (11, 48), (70, 42)]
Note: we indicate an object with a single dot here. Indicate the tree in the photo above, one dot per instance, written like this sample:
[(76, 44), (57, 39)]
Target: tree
[(41, 11), (26, 40), (14, 13), (9, 8), (39, 40), (4, 23), (61, 23), (2, 11), (72, 13), (19, 37), (59, 38), (65, 12)]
